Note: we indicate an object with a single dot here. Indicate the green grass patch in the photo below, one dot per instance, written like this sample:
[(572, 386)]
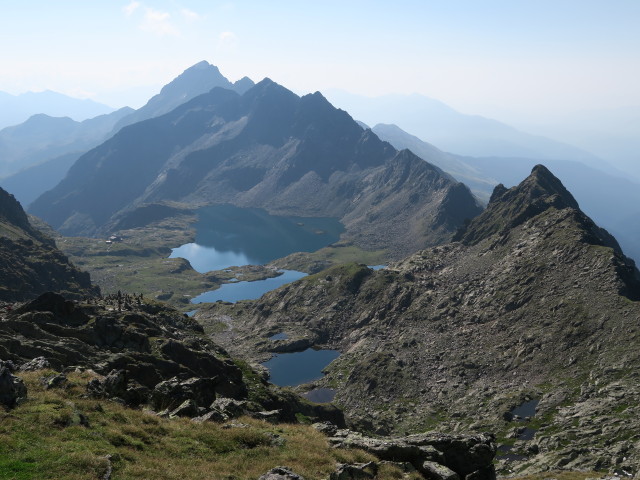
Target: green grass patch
[(36, 444)]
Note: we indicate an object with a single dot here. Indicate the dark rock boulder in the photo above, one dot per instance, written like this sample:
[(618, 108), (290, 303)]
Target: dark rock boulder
[(463, 455), (12, 388), (173, 392), (358, 471)]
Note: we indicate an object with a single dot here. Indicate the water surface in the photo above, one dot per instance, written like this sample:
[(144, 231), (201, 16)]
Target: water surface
[(233, 292), (232, 236), (291, 369), (279, 336), (320, 395)]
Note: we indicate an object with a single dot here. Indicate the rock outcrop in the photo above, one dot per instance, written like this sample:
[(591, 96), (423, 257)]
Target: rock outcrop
[(147, 354), (30, 263), (534, 301), (435, 456), (12, 388)]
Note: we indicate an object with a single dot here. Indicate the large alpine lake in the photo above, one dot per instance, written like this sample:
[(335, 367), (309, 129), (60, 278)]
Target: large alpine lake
[(232, 236)]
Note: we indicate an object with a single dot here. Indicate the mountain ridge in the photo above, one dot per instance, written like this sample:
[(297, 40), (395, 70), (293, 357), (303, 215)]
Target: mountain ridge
[(267, 148), (457, 335)]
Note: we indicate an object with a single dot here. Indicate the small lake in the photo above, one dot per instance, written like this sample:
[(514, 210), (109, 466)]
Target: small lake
[(526, 409), (291, 369), (320, 395), (233, 292), (232, 236)]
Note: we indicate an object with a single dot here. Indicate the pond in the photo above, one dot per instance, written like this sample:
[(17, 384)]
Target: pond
[(320, 395), (227, 235), (525, 410), (279, 336), (292, 369), (232, 292)]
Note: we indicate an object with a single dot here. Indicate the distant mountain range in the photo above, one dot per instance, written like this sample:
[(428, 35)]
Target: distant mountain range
[(37, 154), (455, 132), (612, 201), (15, 109), (266, 148), (43, 137)]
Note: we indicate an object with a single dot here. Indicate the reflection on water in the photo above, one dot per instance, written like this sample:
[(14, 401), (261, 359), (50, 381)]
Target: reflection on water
[(204, 259), (291, 369), (233, 292), (231, 236)]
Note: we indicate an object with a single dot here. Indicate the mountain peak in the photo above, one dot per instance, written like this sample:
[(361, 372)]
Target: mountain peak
[(511, 207)]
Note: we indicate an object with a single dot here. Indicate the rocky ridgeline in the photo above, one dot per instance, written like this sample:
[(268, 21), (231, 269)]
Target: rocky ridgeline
[(267, 148), (533, 301)]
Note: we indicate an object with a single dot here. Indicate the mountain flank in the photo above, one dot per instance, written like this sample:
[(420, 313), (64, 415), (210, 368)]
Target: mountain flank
[(30, 263), (610, 199), (534, 302), (267, 148)]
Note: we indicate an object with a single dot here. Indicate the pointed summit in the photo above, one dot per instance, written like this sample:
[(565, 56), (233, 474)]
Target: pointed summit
[(195, 80), (511, 207)]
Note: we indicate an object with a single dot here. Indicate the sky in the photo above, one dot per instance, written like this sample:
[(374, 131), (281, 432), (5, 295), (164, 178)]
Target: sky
[(490, 57)]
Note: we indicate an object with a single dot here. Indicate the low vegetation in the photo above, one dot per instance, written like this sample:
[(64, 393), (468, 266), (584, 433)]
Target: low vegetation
[(60, 433)]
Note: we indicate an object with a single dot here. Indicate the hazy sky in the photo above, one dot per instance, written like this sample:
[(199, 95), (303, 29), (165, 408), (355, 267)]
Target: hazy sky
[(479, 56)]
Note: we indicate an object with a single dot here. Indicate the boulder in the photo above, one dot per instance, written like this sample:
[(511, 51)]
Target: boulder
[(173, 392), (328, 428), (12, 388), (463, 455), (116, 385), (435, 471), (281, 473), (228, 408), (272, 416), (358, 471), (188, 408), (54, 381), (38, 363)]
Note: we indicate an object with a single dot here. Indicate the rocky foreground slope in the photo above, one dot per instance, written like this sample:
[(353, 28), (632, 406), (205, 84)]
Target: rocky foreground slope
[(147, 355), (30, 263), (533, 302), (266, 148)]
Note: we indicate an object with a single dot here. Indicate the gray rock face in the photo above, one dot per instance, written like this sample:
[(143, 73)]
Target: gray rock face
[(30, 263), (360, 471), (464, 332), (38, 363), (281, 473), (179, 364), (432, 454), (12, 388), (173, 392)]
